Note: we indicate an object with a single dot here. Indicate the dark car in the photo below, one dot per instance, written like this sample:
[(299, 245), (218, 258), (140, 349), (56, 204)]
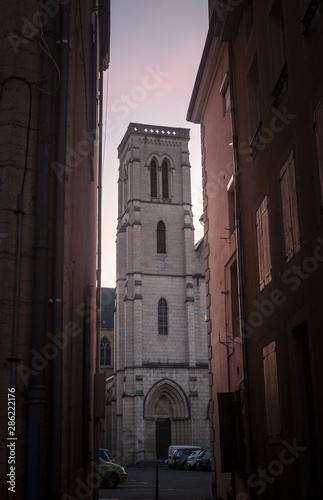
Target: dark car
[(203, 461), (105, 455), (180, 456)]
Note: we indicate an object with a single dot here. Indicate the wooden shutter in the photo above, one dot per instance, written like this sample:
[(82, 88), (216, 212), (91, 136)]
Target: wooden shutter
[(318, 117), (231, 432), (290, 208), (263, 244), (271, 393), (287, 222)]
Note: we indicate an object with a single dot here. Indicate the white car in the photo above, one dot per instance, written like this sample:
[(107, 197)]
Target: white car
[(191, 461)]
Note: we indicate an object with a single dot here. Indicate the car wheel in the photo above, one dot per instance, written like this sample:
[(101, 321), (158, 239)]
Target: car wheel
[(111, 481), (185, 466), (198, 467)]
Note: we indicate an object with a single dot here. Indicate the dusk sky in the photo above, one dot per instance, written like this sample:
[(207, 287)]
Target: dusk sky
[(156, 47)]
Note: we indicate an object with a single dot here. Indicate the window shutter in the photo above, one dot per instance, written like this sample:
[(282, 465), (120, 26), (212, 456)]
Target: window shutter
[(287, 223), (271, 393), (231, 431), (260, 250), (294, 204), (290, 208), (263, 243)]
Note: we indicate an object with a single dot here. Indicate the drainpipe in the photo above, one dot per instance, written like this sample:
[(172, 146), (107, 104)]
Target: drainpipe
[(58, 310), (249, 464), (37, 389), (16, 291), (100, 162)]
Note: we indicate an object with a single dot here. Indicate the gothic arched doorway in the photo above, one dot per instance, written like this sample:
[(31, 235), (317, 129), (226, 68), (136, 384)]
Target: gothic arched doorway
[(167, 415)]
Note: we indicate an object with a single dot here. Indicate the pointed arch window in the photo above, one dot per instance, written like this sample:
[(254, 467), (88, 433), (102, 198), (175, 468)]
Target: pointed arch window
[(165, 180), (153, 179), (162, 317), (161, 237), (105, 352)]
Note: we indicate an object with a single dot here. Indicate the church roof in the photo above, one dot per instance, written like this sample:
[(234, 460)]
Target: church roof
[(107, 307)]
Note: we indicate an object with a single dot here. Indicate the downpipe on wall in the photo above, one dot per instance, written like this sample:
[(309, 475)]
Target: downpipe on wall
[(37, 384), (58, 288), (249, 459)]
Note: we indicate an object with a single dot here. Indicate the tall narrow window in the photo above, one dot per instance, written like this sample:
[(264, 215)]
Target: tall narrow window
[(105, 352), (271, 393), (165, 190), (161, 237), (153, 179), (254, 105), (234, 299), (248, 16), (277, 49), (318, 121), (162, 317), (225, 92), (263, 243), (231, 205), (290, 208)]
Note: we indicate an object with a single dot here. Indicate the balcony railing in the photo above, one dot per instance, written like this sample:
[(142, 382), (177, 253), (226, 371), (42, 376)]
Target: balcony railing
[(256, 139), (310, 15), (281, 84)]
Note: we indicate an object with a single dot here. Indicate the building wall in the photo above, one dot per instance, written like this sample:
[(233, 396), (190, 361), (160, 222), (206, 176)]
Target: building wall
[(280, 344), (155, 370), (32, 371)]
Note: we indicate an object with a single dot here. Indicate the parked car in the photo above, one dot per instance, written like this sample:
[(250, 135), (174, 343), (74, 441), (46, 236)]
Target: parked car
[(203, 460), (173, 447), (191, 460), (180, 456), (105, 455), (111, 474)]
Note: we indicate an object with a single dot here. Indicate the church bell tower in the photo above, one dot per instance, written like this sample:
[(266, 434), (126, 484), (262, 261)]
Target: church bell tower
[(160, 334)]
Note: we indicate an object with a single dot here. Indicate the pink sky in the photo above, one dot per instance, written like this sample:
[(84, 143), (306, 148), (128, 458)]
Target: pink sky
[(156, 47)]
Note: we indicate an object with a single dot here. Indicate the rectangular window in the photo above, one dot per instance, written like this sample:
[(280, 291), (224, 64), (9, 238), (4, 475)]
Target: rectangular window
[(277, 49), (248, 16), (271, 393), (254, 96), (318, 121), (263, 243), (225, 92), (290, 208), (231, 205), (234, 299)]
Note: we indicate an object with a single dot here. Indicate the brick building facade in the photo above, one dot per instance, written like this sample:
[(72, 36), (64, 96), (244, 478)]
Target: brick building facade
[(258, 98)]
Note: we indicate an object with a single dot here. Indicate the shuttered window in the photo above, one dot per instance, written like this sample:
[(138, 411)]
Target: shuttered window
[(153, 179), (271, 393), (263, 243), (231, 432), (318, 120), (290, 208)]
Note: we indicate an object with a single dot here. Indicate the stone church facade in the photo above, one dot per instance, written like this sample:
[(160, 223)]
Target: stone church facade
[(161, 384)]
